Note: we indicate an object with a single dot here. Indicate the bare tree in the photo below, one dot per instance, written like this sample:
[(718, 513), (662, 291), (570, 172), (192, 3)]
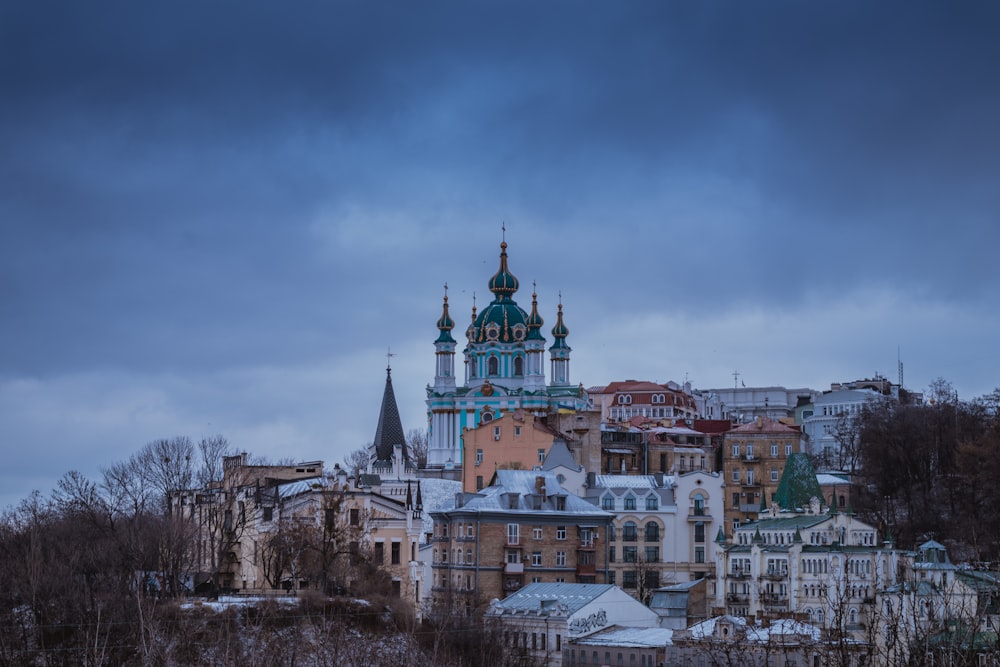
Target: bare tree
[(357, 461), (417, 443)]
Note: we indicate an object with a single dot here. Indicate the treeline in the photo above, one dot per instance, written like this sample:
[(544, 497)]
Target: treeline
[(93, 575), (932, 471)]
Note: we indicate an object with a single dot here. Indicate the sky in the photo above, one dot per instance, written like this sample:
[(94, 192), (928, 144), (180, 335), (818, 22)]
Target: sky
[(217, 218)]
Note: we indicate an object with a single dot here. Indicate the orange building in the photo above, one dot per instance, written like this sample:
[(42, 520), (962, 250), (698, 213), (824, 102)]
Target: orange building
[(515, 441)]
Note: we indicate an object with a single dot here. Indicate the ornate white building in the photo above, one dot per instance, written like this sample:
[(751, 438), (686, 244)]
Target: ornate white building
[(504, 369)]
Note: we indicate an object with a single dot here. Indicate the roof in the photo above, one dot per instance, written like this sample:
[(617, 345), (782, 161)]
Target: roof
[(559, 455), (625, 482), (299, 486), (389, 431), (828, 479), (572, 596), (791, 522), (629, 637), (765, 425), (522, 482)]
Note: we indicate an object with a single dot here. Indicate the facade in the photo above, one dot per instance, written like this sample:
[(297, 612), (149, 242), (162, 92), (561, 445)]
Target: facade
[(822, 566), (517, 440), (827, 424), (504, 370), (644, 446), (745, 404), (642, 647), (542, 618), (523, 528), (663, 530), (753, 457), (621, 401)]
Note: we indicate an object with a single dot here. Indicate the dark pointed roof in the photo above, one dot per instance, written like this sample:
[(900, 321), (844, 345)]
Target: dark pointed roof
[(389, 432)]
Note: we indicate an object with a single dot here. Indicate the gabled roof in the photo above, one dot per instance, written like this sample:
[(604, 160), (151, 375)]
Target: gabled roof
[(559, 455), (626, 482), (499, 496), (629, 637)]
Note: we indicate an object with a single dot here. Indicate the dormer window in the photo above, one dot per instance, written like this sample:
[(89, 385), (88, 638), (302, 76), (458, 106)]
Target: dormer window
[(629, 502), (625, 399)]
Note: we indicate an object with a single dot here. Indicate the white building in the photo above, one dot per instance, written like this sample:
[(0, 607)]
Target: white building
[(664, 527), (539, 618)]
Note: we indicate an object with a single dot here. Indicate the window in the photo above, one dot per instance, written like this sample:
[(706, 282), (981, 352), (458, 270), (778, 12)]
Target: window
[(468, 557), (541, 456), (560, 532), (630, 554), (774, 449), (774, 475), (517, 431), (479, 482), (536, 558), (479, 456), (699, 532), (561, 558), (629, 503), (788, 450), (736, 450), (379, 555), (652, 554), (536, 533), (395, 555), (736, 474), (518, 366), (699, 504), (355, 516), (493, 366), (513, 556), (512, 533), (630, 531), (652, 532), (496, 432), (699, 554), (607, 503), (629, 579), (266, 514), (652, 503), (749, 450), (611, 554), (736, 499)]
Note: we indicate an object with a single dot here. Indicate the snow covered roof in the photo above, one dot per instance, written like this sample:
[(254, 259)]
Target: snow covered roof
[(299, 486), (827, 479), (512, 492), (572, 596), (627, 482), (630, 637)]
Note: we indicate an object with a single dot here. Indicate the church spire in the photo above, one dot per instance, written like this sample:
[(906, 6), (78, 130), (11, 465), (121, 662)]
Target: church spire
[(389, 432), (445, 324)]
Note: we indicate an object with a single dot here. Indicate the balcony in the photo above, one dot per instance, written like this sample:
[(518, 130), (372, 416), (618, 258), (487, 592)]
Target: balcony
[(695, 516), (750, 482), (587, 570), (775, 574), (511, 584), (737, 598), (513, 568), (739, 573), (750, 458)]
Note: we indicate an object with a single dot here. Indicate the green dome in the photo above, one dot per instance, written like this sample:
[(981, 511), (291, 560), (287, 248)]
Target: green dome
[(503, 283), (559, 331), (445, 324), (502, 320), (535, 320)]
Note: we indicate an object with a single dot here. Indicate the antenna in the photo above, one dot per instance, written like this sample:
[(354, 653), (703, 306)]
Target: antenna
[(899, 363), (736, 379)]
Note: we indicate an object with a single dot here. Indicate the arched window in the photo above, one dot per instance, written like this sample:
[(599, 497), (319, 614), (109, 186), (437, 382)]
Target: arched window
[(652, 532), (493, 366), (518, 365), (699, 504), (630, 531)]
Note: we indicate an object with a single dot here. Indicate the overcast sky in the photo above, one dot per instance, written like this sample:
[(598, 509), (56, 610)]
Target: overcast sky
[(217, 217)]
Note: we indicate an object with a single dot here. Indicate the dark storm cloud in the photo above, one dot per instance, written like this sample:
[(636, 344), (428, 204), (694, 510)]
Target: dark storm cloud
[(221, 191)]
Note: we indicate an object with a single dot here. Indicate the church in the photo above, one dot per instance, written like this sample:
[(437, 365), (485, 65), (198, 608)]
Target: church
[(504, 369)]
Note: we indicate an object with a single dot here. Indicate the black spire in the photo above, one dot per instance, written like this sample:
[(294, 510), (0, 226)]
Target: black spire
[(390, 429)]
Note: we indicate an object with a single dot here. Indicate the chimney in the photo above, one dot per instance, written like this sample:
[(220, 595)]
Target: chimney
[(540, 485)]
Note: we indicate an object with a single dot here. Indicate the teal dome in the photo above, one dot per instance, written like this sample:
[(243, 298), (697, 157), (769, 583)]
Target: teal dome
[(559, 331), (445, 324), (502, 320)]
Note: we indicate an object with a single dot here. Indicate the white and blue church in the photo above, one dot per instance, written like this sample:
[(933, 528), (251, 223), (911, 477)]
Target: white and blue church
[(504, 369)]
